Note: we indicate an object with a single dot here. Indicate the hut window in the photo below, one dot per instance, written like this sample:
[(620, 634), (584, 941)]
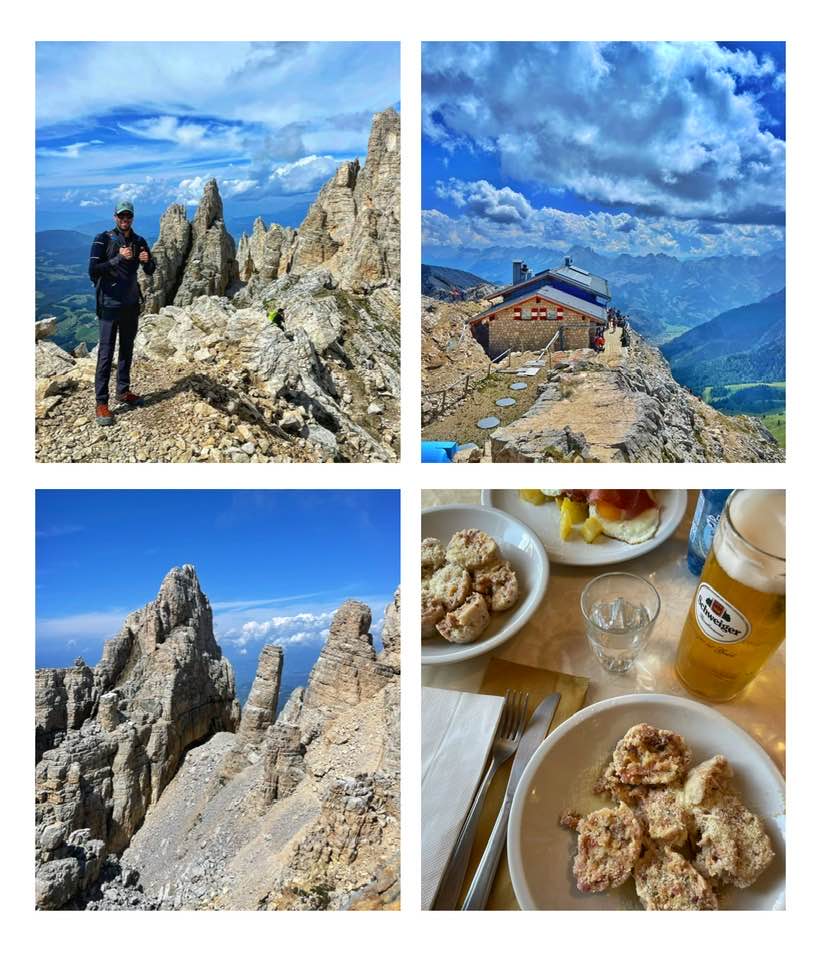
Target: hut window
[(551, 312), (525, 313)]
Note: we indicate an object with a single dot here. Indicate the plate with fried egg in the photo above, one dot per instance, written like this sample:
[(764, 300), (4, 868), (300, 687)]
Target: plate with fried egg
[(590, 528)]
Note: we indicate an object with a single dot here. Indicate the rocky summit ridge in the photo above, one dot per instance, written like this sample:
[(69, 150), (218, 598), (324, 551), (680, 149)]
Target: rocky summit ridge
[(284, 347), (109, 741), (153, 792)]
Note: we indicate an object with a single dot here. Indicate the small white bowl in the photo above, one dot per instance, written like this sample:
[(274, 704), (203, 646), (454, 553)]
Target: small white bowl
[(560, 776), (519, 545)]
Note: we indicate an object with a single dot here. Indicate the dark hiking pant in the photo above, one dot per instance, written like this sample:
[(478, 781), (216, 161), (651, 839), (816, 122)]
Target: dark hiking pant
[(122, 322)]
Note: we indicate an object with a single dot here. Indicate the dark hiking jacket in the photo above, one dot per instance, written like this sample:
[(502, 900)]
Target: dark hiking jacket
[(115, 277)]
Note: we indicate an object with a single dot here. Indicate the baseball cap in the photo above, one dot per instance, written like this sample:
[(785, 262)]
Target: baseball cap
[(124, 206)]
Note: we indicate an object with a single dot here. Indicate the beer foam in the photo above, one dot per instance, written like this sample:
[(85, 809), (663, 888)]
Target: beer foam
[(759, 516)]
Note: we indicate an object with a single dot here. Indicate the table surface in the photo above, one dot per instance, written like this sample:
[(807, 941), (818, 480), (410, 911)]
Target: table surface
[(554, 639)]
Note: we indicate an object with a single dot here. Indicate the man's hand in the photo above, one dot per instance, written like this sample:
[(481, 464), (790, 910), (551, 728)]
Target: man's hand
[(126, 253), (145, 256)]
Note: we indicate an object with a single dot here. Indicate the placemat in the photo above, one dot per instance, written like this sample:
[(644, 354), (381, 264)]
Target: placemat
[(502, 675)]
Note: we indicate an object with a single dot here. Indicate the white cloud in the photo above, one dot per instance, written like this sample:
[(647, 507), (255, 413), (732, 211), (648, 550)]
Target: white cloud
[(293, 630), (662, 126), (303, 175), (267, 83), (481, 226), (191, 134), (481, 199), (70, 151)]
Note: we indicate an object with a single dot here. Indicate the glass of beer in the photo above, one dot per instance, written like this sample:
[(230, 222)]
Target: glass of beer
[(737, 617)]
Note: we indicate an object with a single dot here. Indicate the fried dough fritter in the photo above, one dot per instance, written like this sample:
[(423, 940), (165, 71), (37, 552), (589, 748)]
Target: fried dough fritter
[(666, 881), (472, 549), (466, 623), (663, 816), (499, 583), (433, 555), (609, 845), (608, 784), (647, 755), (732, 845), (450, 585)]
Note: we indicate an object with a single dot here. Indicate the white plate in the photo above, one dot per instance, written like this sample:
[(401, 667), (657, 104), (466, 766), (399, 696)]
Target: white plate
[(518, 544), (576, 552), (560, 776)]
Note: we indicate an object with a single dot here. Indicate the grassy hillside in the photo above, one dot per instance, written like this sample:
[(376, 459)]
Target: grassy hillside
[(62, 287), (767, 401), (776, 423)]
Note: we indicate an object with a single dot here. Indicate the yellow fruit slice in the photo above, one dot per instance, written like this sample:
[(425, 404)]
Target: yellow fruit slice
[(591, 528), (570, 515), (578, 511), (565, 523), (533, 496)]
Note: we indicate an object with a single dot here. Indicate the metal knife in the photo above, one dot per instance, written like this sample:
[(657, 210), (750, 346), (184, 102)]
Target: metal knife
[(536, 731)]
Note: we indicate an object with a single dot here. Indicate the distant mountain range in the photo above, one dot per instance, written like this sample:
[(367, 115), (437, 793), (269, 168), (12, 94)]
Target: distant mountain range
[(440, 282), (147, 224), (743, 345), (663, 295)]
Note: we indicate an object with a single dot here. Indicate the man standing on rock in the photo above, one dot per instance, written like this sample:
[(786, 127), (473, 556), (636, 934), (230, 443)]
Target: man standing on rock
[(113, 265)]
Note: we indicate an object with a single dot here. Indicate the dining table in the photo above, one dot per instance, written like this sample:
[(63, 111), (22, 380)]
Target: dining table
[(554, 638)]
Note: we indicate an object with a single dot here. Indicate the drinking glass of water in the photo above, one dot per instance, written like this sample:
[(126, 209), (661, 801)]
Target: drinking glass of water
[(620, 611)]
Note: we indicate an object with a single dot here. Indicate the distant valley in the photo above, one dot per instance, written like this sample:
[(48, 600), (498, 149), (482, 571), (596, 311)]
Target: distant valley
[(62, 286), (737, 360)]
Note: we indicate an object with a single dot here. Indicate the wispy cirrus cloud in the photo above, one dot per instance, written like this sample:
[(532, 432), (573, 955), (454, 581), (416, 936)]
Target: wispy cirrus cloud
[(69, 151), (59, 530), (91, 626)]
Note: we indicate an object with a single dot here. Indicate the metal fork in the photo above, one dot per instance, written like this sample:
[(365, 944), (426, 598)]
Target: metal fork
[(508, 734)]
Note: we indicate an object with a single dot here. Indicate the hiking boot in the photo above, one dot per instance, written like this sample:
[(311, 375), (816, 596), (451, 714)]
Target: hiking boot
[(130, 399), (104, 416)]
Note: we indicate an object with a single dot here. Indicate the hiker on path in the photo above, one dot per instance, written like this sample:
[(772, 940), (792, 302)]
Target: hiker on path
[(115, 259)]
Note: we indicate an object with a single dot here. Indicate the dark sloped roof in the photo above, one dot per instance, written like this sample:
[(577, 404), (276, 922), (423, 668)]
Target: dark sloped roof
[(583, 278), (550, 293), (569, 273), (515, 286)]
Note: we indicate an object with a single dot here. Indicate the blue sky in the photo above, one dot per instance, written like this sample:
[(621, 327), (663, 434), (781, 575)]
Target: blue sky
[(274, 564), (271, 121), (637, 148)]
